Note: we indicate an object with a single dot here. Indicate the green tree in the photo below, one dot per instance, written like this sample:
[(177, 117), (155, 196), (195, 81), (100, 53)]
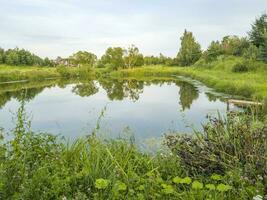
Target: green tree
[(133, 58), (258, 33), (233, 45), (83, 58), (47, 62), (213, 51), (113, 58), (190, 50), (252, 52), (263, 52), (2, 56), (12, 57)]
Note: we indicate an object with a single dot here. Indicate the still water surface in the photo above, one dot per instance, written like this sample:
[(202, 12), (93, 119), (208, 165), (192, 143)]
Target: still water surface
[(147, 109)]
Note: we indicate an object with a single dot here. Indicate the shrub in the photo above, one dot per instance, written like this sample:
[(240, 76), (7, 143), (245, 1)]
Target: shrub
[(234, 142), (240, 67)]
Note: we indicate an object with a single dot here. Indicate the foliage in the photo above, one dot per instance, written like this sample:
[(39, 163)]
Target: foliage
[(160, 60), (190, 50), (22, 57), (263, 51), (91, 168), (240, 67), (233, 45), (214, 50), (252, 53), (113, 58), (259, 31), (83, 58), (222, 147), (2, 56), (133, 58)]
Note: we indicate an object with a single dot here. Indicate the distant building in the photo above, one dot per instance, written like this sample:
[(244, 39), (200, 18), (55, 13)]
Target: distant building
[(63, 61)]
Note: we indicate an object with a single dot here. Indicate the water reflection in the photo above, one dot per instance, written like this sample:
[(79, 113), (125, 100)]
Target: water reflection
[(85, 89), (150, 108)]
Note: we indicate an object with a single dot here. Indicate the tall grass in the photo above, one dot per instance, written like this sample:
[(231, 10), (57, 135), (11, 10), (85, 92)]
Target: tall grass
[(41, 166), (17, 73)]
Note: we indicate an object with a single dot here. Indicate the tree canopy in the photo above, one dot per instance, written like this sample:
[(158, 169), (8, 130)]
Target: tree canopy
[(258, 34), (133, 58), (18, 56), (113, 58), (83, 58), (190, 50)]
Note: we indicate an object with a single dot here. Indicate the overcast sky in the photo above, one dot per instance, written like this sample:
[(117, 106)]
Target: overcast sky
[(60, 27)]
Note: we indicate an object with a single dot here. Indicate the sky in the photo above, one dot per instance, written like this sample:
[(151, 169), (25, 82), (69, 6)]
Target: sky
[(51, 28)]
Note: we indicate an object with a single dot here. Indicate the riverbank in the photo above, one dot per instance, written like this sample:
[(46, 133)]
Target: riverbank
[(19, 73)]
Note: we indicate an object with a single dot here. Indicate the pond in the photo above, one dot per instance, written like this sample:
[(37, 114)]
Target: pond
[(145, 109)]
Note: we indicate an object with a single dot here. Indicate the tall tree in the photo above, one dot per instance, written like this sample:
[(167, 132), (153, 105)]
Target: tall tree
[(214, 50), (258, 33), (83, 58), (233, 45), (263, 52), (113, 58), (133, 58), (190, 50), (2, 56)]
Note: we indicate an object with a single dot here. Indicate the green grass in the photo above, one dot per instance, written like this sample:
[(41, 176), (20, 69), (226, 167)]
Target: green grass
[(16, 73), (41, 166)]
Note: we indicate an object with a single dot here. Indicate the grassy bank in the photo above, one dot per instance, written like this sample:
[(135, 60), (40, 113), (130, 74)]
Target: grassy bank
[(33, 73), (16, 73), (218, 75), (41, 166)]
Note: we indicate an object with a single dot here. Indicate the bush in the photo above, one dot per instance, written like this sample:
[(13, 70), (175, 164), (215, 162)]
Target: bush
[(240, 67), (226, 144)]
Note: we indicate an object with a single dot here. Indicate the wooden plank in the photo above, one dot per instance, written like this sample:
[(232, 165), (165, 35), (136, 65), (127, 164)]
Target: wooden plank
[(245, 103)]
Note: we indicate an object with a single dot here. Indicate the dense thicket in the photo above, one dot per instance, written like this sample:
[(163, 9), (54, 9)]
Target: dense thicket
[(252, 48)]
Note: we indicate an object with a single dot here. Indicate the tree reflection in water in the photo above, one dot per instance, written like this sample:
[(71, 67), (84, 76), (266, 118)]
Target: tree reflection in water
[(188, 93), (116, 89)]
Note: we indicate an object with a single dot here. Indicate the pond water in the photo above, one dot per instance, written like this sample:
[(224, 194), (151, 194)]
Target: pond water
[(145, 109)]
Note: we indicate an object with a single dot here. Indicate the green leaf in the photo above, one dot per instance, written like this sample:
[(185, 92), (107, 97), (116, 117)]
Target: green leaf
[(223, 188), (186, 180), (141, 187), (197, 185), (210, 186), (176, 180), (167, 189), (216, 177), (120, 186), (101, 183), (159, 180)]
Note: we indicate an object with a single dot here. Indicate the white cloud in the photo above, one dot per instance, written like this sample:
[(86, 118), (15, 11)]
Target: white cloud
[(56, 27)]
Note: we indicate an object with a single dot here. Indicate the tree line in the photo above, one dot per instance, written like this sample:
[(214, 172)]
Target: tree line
[(252, 47), (18, 56)]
